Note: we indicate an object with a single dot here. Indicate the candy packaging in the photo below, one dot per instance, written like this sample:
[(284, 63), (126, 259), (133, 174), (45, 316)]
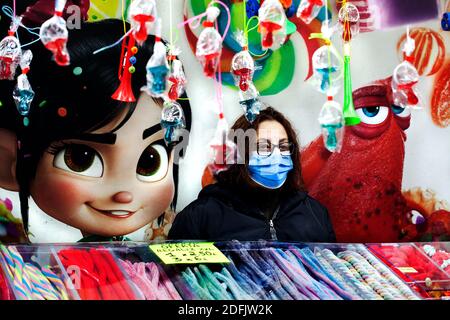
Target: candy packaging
[(209, 44), (142, 15), (272, 23)]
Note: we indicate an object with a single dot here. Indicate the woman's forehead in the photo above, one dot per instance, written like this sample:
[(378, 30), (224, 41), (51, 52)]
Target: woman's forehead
[(271, 130)]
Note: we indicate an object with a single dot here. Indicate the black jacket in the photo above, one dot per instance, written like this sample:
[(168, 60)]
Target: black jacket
[(221, 213)]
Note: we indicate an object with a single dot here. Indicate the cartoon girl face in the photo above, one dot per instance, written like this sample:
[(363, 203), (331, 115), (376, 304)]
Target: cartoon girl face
[(108, 183)]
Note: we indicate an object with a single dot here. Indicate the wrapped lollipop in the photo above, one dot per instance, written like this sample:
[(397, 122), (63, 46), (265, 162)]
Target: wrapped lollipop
[(332, 123), (222, 149), (309, 9), (172, 118), (209, 44), (250, 103), (242, 65), (405, 79), (142, 14), (327, 70), (177, 78), (272, 23), (157, 68), (54, 35), (348, 21), (9, 54), (23, 94)]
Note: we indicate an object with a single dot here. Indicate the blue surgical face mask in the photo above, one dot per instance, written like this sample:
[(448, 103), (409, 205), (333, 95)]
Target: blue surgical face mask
[(270, 172)]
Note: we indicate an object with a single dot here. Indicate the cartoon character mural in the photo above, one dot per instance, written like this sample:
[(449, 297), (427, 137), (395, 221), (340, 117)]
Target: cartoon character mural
[(361, 185), (89, 161)]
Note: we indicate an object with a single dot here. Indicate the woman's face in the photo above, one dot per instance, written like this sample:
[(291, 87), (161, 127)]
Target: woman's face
[(108, 183), (269, 133)]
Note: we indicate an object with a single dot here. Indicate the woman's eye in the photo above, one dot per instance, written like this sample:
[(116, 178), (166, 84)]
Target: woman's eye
[(153, 164), (400, 111), (373, 115), (79, 159)]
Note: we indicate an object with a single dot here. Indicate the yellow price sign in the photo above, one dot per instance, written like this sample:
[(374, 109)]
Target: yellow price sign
[(189, 253)]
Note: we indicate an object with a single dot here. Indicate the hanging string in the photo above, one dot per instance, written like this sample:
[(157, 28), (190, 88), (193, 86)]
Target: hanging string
[(14, 8), (171, 22), (200, 16), (123, 17), (244, 15), (329, 45), (115, 43), (249, 21), (251, 29), (9, 12)]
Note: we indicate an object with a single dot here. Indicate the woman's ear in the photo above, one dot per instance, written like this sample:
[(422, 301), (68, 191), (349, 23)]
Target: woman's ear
[(8, 157)]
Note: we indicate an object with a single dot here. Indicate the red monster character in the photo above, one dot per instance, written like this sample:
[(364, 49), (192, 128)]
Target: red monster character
[(361, 185)]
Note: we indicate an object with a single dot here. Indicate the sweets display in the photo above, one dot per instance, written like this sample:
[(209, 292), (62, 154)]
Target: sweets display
[(256, 271)]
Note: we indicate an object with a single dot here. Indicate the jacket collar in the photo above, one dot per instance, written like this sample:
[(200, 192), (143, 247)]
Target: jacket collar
[(245, 202)]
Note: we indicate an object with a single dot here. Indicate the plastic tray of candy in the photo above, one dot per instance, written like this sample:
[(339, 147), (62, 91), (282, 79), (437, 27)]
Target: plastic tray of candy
[(34, 272), (414, 266)]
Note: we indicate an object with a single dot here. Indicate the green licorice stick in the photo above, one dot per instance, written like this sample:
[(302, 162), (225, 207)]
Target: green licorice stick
[(350, 115)]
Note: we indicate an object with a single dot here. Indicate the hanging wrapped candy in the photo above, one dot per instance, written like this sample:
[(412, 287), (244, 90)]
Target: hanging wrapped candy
[(172, 118), (309, 9), (10, 53), (272, 24), (242, 65), (405, 79), (23, 94), (209, 44), (327, 70), (250, 103), (157, 67), (54, 35), (142, 15), (222, 149), (331, 121), (348, 21), (177, 79)]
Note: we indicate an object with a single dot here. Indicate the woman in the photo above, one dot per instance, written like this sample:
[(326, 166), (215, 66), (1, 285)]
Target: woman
[(87, 160), (261, 199)]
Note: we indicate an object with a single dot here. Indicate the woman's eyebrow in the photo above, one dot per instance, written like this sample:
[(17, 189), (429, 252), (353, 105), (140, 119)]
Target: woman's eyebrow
[(104, 138), (151, 131)]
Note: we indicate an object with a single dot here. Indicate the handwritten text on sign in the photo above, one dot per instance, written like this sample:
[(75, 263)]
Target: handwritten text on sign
[(188, 252)]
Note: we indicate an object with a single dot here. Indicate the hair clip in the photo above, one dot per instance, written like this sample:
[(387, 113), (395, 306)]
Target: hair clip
[(124, 92)]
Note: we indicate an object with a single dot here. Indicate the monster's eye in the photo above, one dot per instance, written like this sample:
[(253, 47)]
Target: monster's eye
[(373, 115), (400, 111), (79, 159), (402, 116)]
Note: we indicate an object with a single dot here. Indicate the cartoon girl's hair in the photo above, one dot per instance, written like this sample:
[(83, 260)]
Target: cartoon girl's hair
[(73, 100)]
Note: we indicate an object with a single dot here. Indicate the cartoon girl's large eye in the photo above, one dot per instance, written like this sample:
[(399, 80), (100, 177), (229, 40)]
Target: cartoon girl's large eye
[(373, 115), (153, 164), (79, 159), (400, 111)]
